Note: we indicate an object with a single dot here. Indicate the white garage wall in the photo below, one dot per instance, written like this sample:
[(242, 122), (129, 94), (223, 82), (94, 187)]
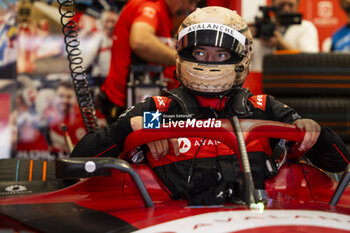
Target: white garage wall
[(250, 9)]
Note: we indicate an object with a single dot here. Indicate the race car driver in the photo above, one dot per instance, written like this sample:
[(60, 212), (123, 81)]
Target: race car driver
[(214, 47)]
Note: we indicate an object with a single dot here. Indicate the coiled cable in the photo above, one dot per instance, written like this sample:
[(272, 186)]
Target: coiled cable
[(77, 70)]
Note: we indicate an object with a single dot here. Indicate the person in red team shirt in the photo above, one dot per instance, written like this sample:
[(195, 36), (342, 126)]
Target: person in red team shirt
[(143, 34), (64, 113)]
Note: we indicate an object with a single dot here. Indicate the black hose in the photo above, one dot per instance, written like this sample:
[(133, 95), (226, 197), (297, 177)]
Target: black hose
[(249, 192), (77, 70)]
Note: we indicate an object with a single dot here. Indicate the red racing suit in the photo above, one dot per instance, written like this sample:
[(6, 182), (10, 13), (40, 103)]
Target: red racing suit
[(154, 13), (215, 167)]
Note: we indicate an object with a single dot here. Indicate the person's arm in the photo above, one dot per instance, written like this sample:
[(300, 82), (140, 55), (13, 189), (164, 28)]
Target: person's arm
[(278, 111), (90, 49), (276, 41), (109, 141), (329, 153), (281, 112), (147, 46), (158, 148)]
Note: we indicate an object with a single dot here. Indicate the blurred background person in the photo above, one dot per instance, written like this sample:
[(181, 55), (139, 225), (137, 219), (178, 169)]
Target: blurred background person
[(97, 50), (86, 23), (35, 43), (47, 43), (31, 141), (8, 33), (63, 113), (143, 34), (341, 38), (26, 47), (302, 37)]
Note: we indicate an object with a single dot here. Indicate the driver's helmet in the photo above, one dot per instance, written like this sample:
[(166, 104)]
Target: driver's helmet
[(219, 27)]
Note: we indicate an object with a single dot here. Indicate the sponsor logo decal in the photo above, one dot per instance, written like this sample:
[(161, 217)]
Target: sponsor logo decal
[(215, 27), (184, 145), (161, 102), (15, 189), (325, 14), (259, 99), (152, 120)]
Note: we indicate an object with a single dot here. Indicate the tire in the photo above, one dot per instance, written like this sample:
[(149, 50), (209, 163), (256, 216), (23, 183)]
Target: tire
[(307, 74)]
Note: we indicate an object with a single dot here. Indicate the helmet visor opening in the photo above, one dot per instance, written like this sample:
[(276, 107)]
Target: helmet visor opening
[(212, 34), (187, 54)]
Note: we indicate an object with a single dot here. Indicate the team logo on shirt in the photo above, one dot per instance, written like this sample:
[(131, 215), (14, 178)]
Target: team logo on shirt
[(151, 120), (149, 12)]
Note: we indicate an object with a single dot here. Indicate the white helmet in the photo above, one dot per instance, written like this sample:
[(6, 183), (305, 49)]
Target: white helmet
[(217, 27)]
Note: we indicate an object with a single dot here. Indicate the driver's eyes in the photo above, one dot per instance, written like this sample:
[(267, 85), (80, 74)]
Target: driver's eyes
[(198, 54), (224, 56), (211, 55)]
